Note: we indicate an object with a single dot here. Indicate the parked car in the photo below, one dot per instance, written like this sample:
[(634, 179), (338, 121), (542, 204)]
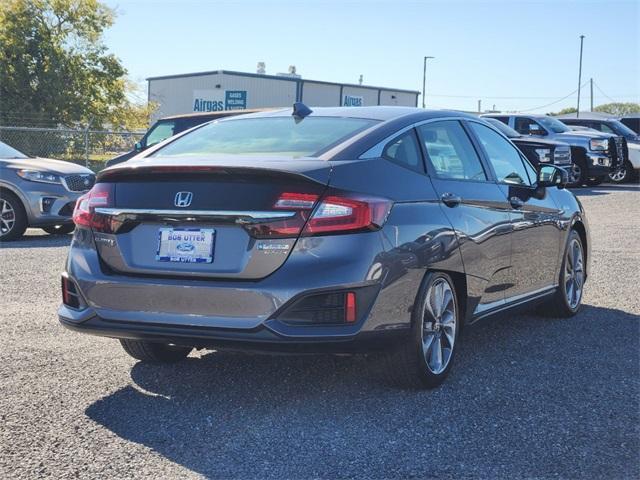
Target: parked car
[(168, 126), (361, 229), (632, 121), (536, 150), (594, 156), (611, 125), (38, 192)]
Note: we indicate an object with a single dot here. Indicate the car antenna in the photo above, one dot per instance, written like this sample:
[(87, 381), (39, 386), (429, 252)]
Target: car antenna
[(300, 111)]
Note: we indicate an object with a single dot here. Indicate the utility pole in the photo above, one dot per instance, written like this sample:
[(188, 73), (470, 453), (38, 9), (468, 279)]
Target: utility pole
[(580, 75), (424, 82), (591, 94)]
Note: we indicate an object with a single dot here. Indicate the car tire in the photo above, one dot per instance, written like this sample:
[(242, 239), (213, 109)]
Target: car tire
[(435, 321), (13, 217), (572, 273), (577, 174), (595, 181), (59, 229), (623, 175), (155, 352)]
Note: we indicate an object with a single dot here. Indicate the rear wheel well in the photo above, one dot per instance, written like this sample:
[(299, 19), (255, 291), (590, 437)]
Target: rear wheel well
[(579, 227), (460, 285)]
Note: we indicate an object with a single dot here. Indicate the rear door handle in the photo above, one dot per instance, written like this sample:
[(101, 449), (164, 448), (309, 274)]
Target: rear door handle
[(451, 199), (516, 202)]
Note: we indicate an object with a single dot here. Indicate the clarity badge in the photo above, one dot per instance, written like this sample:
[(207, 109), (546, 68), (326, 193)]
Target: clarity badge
[(273, 247)]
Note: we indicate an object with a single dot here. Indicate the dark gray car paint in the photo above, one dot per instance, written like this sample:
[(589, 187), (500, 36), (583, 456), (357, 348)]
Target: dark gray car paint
[(473, 241)]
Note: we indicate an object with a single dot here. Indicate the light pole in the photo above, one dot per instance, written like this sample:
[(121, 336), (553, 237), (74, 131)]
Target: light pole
[(580, 75), (424, 81)]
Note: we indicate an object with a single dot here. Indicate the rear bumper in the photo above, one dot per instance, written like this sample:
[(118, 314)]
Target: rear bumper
[(246, 314), (261, 339)]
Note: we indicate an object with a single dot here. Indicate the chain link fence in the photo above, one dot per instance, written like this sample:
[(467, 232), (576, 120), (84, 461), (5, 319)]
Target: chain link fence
[(91, 148)]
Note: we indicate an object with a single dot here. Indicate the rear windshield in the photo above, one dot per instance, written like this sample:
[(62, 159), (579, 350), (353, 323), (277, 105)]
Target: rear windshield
[(273, 136)]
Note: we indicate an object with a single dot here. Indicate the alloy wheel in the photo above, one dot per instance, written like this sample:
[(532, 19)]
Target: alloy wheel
[(439, 326), (574, 273), (619, 175), (575, 174), (7, 217)]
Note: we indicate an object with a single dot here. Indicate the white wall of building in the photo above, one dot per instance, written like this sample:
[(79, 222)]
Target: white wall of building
[(223, 90), (320, 94), (403, 99)]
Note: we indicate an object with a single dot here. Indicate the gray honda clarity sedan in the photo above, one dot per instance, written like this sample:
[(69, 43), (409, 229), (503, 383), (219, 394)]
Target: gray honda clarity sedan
[(381, 230)]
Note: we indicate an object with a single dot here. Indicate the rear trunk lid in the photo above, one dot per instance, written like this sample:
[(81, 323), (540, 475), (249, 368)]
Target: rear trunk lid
[(215, 218)]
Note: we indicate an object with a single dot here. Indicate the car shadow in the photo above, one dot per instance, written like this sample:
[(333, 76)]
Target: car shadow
[(38, 240), (520, 386)]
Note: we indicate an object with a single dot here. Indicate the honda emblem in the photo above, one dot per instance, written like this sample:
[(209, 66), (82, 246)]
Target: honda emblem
[(183, 199)]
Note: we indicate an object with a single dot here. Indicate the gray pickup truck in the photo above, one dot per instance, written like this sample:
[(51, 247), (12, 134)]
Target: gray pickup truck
[(595, 155)]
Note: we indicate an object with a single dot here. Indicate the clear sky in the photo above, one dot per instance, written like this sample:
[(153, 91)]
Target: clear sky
[(489, 50)]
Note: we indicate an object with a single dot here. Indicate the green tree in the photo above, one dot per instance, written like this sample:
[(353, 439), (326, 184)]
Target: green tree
[(54, 66), (619, 109), (133, 114), (564, 111)]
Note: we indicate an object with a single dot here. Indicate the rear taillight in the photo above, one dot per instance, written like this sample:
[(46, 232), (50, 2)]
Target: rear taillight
[(347, 213), (335, 212), (84, 215)]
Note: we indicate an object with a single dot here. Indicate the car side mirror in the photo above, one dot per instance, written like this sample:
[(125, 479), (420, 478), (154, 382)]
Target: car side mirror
[(552, 176), (138, 147)]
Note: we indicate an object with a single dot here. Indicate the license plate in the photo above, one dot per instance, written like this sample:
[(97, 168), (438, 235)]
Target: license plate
[(186, 245)]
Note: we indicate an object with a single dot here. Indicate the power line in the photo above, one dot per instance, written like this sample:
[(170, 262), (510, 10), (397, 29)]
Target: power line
[(600, 90), (513, 98), (553, 103)]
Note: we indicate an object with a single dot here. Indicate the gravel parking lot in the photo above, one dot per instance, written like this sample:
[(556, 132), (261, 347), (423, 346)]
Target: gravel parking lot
[(528, 397)]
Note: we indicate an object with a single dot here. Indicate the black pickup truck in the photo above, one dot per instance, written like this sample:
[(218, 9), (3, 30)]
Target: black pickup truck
[(594, 154), (536, 150)]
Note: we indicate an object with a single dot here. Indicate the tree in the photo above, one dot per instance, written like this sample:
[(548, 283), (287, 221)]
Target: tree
[(564, 111), (133, 114), (619, 109), (54, 66)]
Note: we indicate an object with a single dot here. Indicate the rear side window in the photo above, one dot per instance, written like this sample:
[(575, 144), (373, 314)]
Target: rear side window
[(405, 150), (526, 126), (450, 152), (603, 127), (269, 136), (504, 120)]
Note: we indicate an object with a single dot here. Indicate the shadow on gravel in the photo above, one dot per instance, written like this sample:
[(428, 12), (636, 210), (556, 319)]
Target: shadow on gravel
[(528, 396), (38, 241)]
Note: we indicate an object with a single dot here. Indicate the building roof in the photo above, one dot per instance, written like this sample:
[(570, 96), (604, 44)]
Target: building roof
[(277, 77)]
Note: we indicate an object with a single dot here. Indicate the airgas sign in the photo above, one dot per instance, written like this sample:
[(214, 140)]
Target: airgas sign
[(218, 100), (352, 101)]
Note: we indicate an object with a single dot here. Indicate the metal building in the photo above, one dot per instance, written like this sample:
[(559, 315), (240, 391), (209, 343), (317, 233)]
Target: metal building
[(227, 90)]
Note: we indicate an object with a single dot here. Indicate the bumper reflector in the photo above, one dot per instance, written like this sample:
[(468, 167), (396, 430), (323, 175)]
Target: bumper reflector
[(350, 307), (70, 296)]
